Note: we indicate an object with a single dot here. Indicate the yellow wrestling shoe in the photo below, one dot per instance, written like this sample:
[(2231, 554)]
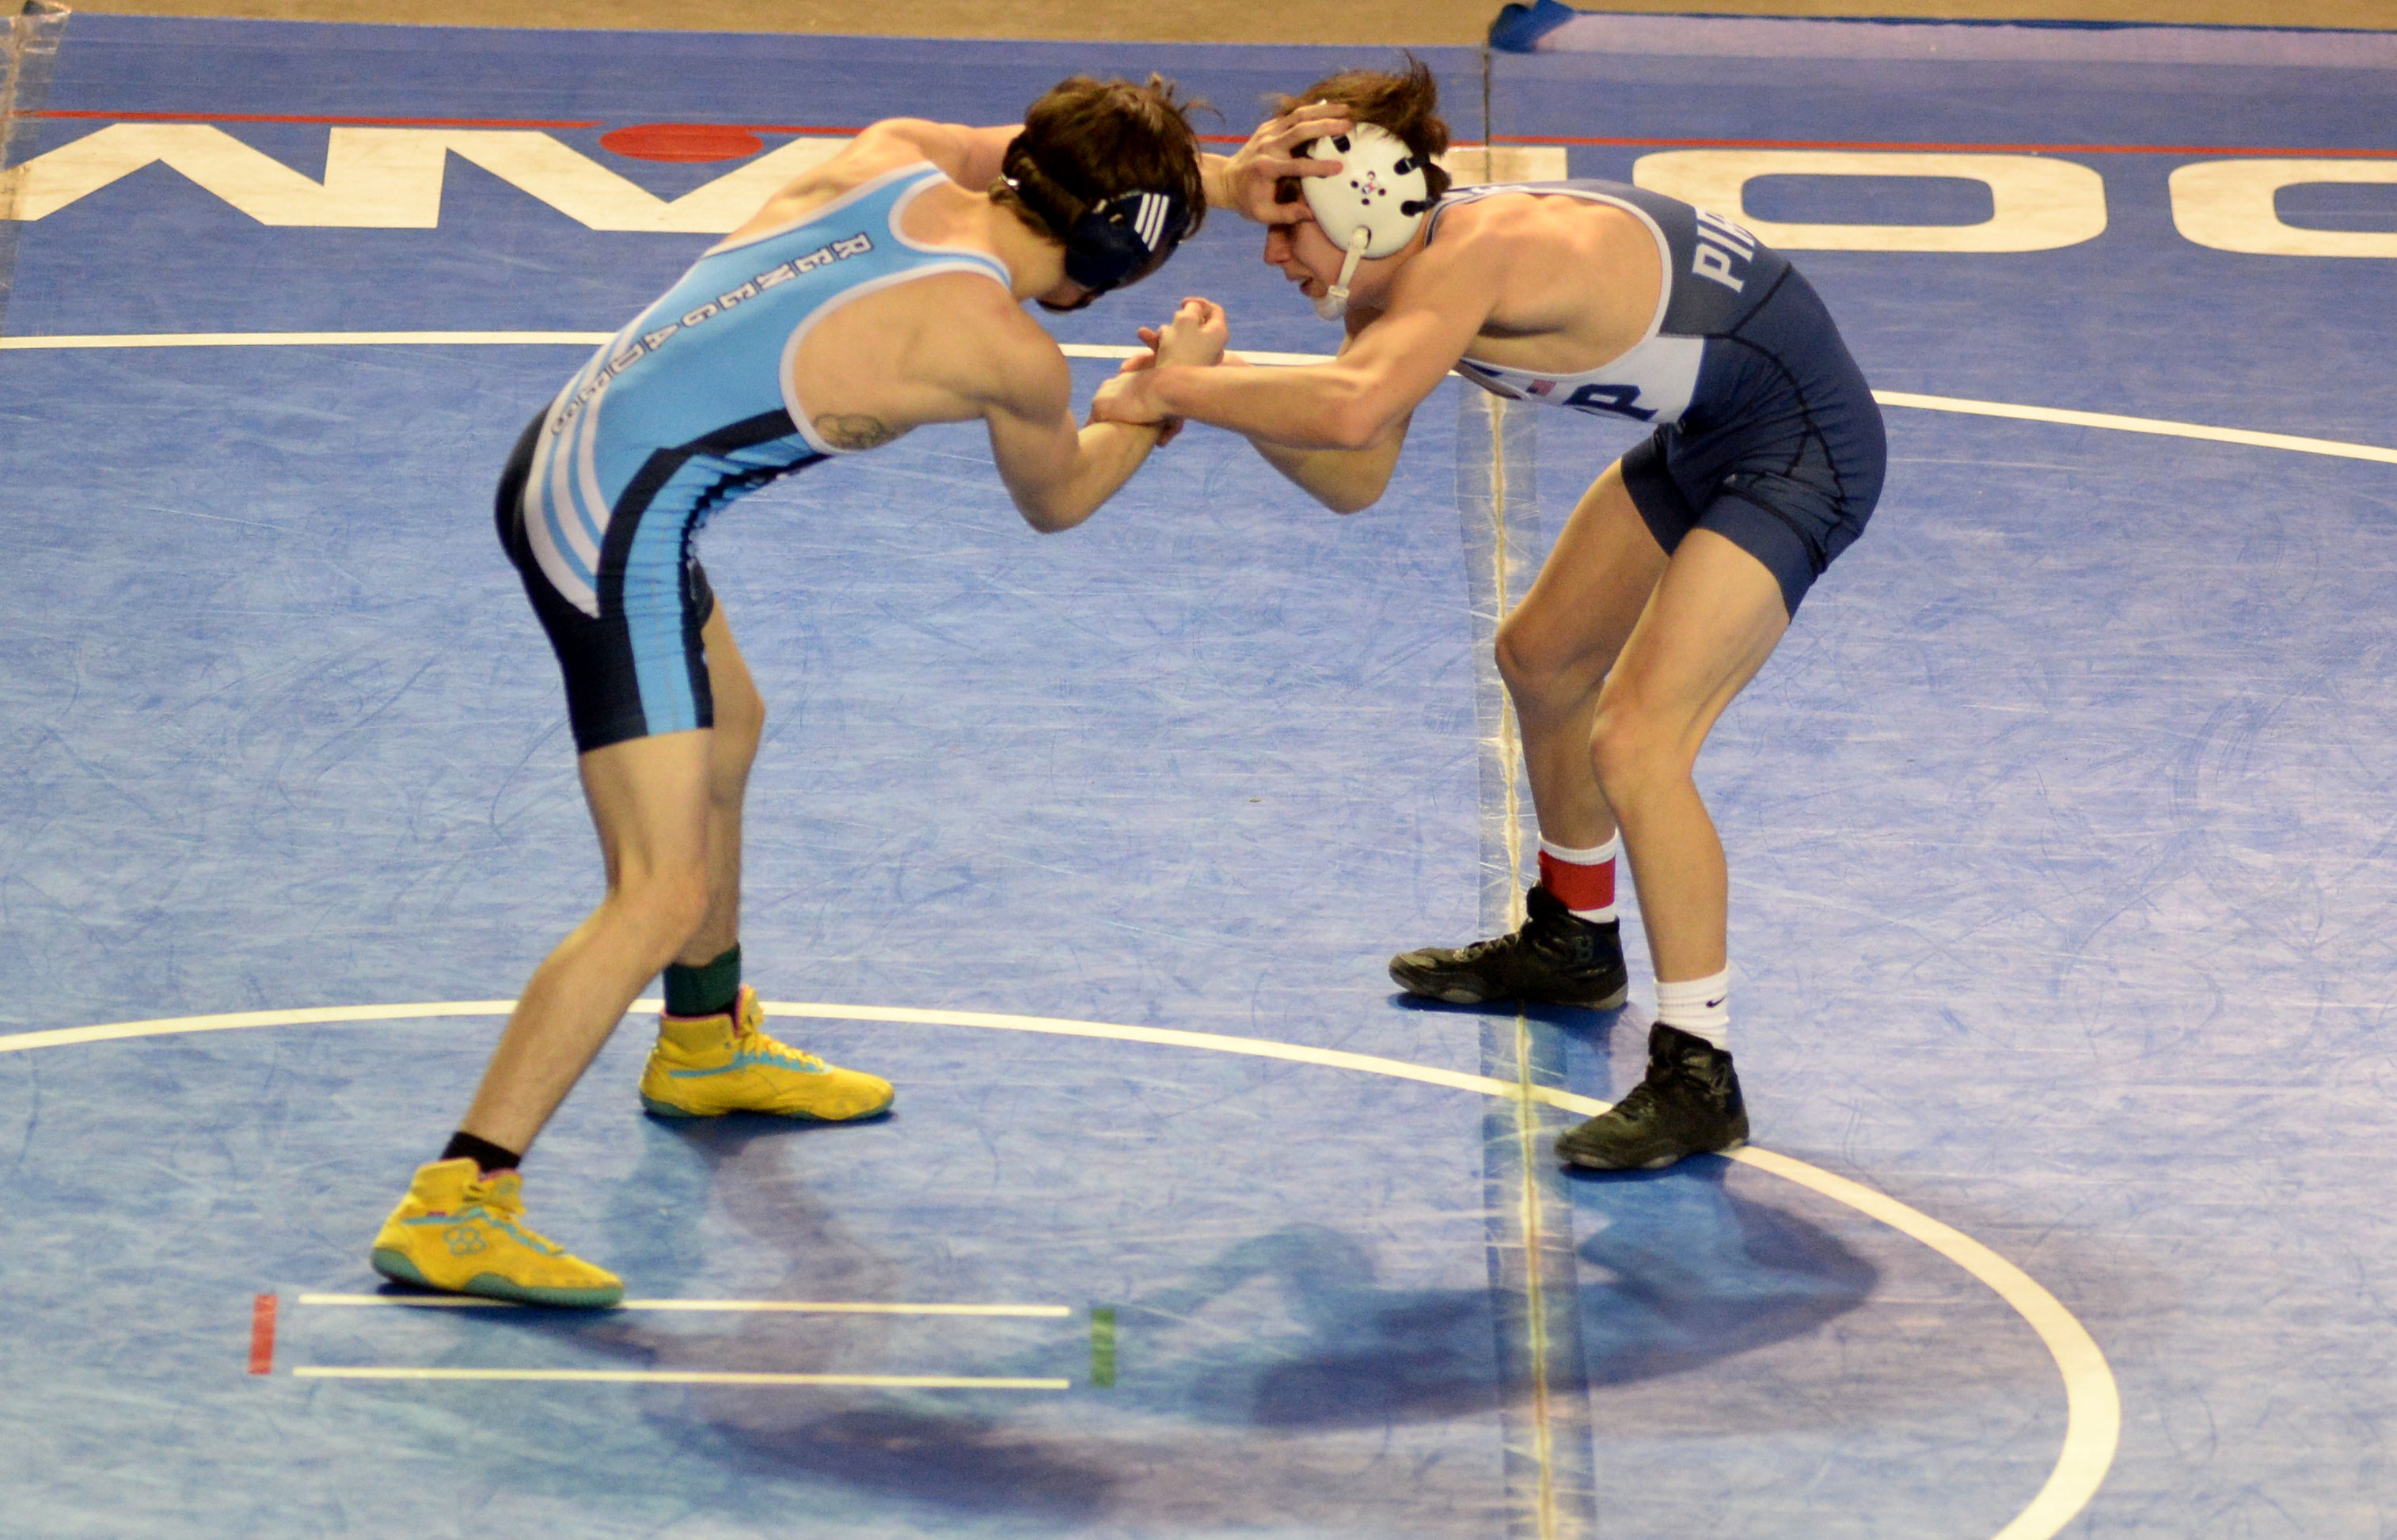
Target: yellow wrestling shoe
[(704, 1067), (463, 1232)]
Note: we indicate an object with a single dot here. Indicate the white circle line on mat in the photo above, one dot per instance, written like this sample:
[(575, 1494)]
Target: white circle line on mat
[(2093, 1403)]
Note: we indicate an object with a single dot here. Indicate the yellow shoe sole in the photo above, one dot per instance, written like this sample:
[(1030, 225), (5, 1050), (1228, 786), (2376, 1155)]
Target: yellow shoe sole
[(399, 1269)]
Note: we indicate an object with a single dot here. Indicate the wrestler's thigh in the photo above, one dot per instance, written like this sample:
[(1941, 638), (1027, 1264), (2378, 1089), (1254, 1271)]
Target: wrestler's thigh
[(1715, 616), (648, 800), (1596, 581)]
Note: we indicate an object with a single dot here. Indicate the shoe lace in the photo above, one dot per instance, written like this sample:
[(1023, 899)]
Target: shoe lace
[(1637, 1102), (1475, 950), (750, 1041), (503, 1204)]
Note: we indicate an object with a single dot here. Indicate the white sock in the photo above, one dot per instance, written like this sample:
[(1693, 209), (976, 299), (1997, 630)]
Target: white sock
[(1583, 878), (1698, 1007)]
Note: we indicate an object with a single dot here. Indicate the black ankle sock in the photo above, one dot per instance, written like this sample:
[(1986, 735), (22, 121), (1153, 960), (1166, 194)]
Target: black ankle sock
[(483, 1152), (708, 989)]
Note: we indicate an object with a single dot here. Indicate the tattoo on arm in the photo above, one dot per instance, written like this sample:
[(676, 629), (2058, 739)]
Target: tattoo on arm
[(854, 430)]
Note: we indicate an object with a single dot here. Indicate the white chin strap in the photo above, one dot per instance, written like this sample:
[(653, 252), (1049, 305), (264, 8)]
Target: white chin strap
[(1334, 303)]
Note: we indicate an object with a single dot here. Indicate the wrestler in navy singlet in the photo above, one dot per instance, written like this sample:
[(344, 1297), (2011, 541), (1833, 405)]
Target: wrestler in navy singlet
[(1766, 430), (689, 407)]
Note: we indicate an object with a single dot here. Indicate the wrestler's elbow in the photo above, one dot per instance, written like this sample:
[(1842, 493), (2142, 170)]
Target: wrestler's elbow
[(1054, 511), (1350, 499), (1353, 425), (1360, 418), (1047, 518)]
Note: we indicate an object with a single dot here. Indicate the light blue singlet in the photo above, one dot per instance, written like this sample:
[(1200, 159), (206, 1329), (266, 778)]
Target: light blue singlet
[(691, 405)]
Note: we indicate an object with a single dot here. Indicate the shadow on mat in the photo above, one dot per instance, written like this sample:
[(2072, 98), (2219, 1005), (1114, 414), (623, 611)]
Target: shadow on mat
[(1291, 1331), (1684, 1272)]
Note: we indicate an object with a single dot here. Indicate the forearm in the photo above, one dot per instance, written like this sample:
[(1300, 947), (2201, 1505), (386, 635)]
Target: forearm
[(1106, 456), (1223, 191), (1310, 407)]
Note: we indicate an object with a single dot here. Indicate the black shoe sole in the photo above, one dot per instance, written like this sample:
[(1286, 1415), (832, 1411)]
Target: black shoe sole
[(1458, 992), (1659, 1164)]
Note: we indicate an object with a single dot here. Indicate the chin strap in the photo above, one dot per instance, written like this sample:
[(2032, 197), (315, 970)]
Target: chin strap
[(1334, 303)]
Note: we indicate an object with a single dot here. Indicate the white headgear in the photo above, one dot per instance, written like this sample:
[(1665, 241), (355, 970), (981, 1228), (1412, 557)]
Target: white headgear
[(1372, 207)]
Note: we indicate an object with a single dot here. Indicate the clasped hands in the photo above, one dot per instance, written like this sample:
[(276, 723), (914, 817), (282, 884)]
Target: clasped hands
[(1195, 337)]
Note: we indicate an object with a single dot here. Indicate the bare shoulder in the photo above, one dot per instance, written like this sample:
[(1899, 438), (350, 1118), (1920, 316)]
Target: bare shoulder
[(1496, 228), (877, 148), (862, 159), (1475, 246), (914, 138), (969, 156)]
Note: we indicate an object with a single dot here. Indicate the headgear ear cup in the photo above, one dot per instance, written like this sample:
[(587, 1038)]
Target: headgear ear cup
[(1372, 207), (1124, 239)]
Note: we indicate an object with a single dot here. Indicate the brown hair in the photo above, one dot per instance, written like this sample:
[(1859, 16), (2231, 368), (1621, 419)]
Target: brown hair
[(1407, 105), (1087, 142)]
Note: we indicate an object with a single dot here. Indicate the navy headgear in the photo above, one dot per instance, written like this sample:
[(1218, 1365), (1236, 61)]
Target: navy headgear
[(1124, 239), (1114, 241)]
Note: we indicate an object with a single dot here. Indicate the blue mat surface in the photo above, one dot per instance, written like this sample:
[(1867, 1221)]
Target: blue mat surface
[(2061, 910)]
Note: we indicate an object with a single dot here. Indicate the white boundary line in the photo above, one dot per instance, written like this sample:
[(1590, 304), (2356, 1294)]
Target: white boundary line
[(2109, 420), (2093, 1403), (687, 1377), (2139, 425), (795, 1306)]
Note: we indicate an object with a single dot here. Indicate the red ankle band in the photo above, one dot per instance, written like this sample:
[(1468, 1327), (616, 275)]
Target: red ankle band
[(1579, 887)]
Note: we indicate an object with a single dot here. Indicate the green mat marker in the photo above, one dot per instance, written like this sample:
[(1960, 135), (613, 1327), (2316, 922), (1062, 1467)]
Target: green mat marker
[(1102, 1346)]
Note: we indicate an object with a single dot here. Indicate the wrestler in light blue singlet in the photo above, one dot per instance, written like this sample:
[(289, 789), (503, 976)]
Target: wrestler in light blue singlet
[(691, 405)]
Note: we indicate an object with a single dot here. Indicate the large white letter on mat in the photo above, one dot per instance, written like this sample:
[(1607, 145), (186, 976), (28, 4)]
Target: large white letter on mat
[(390, 179), (2228, 204), (2041, 203)]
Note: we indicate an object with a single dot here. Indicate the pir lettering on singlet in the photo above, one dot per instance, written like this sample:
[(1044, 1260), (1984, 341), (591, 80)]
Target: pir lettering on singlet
[(1709, 262)]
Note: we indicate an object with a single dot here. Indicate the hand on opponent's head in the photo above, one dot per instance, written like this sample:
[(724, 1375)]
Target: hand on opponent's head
[(1259, 179)]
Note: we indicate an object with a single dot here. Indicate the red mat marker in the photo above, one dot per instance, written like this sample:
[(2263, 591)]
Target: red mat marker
[(262, 1335)]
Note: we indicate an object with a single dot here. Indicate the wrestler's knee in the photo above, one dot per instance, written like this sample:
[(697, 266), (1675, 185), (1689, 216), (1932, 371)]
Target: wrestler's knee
[(1635, 748), (1545, 671), (662, 901)]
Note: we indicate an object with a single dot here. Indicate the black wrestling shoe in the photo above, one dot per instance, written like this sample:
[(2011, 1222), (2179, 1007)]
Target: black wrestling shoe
[(1553, 959), (1689, 1105)]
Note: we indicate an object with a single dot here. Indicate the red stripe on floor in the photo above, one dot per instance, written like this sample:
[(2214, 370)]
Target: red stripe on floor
[(262, 1335)]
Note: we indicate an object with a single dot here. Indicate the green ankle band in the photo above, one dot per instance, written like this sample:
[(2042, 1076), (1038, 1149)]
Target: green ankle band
[(708, 989)]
